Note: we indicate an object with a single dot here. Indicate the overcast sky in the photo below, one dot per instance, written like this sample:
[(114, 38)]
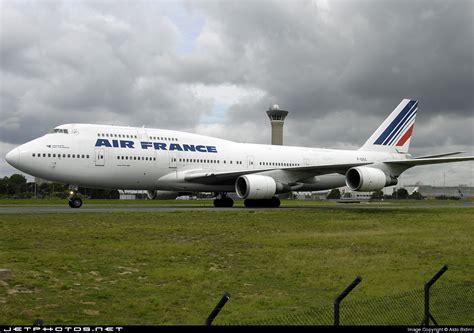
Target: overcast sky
[(214, 67)]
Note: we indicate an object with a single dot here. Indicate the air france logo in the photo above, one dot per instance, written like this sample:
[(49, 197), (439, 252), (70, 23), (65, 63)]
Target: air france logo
[(155, 145)]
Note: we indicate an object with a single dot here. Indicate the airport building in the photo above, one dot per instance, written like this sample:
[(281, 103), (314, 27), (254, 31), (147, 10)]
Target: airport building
[(127, 195), (347, 194)]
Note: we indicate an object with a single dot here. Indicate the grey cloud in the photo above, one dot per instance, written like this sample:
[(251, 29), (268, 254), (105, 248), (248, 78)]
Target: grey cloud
[(339, 69), (89, 63), (356, 54)]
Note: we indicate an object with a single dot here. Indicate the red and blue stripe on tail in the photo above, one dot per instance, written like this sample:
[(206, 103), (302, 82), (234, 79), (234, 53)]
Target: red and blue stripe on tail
[(395, 132)]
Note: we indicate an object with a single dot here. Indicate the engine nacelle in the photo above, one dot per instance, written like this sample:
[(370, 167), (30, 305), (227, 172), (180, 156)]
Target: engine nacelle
[(367, 179), (255, 187), (163, 195)]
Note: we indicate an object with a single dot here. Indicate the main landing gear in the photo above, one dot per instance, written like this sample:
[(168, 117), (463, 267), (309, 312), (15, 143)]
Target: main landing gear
[(223, 201), (271, 203), (74, 200)]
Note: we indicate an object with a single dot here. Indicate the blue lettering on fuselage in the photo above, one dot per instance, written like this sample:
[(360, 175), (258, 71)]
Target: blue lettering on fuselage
[(156, 146), (159, 146), (103, 143), (175, 146)]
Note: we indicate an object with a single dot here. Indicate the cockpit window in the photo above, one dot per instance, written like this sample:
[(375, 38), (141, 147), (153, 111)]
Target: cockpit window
[(59, 130)]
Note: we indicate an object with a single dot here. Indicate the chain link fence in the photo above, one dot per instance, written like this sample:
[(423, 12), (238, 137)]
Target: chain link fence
[(450, 304)]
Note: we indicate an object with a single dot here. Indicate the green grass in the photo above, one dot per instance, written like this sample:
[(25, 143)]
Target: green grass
[(172, 268)]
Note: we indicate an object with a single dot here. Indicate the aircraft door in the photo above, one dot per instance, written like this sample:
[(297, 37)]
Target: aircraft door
[(99, 157), (250, 163), (173, 160)]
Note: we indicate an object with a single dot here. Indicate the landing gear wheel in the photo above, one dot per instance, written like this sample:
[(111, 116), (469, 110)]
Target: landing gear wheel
[(224, 202), (75, 203), (275, 202), (254, 203)]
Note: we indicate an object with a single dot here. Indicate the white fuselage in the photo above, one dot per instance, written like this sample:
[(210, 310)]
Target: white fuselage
[(116, 157)]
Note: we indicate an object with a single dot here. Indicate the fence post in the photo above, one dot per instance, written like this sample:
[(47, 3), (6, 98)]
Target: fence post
[(341, 296), (427, 314), (217, 309), (38, 322)]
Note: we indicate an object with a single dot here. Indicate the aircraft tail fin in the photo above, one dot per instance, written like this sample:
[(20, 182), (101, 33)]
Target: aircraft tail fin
[(395, 132)]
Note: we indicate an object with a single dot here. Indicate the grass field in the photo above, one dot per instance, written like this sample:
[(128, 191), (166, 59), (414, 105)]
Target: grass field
[(172, 268)]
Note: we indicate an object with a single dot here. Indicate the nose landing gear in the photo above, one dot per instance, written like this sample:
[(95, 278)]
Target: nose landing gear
[(74, 200)]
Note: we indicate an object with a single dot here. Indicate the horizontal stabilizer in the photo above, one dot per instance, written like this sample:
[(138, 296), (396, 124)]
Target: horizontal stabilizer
[(440, 155), (428, 161)]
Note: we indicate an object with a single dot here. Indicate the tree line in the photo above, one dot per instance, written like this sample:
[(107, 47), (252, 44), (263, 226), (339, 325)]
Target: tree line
[(398, 193), (17, 187)]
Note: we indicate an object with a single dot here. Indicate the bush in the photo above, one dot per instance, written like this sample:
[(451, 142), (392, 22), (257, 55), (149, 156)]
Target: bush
[(377, 195), (24, 195)]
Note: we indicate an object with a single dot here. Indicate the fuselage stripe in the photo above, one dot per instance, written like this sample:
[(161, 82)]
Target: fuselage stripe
[(406, 136), (403, 128)]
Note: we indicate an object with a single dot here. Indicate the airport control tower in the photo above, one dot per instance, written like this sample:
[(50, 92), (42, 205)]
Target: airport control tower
[(277, 118)]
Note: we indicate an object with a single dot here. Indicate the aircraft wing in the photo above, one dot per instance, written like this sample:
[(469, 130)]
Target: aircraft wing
[(427, 161), (213, 177)]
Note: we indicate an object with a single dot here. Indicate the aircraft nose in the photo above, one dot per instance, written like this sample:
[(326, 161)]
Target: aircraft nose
[(13, 157)]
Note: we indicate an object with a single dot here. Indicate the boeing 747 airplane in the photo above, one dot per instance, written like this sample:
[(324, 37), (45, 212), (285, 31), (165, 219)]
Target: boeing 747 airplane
[(171, 163)]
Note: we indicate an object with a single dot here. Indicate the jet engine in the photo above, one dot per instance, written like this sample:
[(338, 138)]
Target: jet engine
[(367, 179), (157, 194), (255, 187)]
